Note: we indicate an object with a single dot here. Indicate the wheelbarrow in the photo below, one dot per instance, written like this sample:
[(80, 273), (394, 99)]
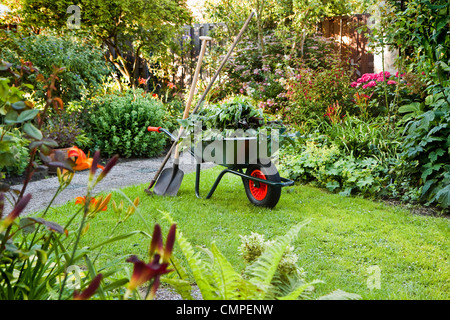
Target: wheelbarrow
[(241, 156)]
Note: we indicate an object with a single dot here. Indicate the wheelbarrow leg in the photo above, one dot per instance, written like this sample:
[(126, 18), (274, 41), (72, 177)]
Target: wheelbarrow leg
[(216, 183)]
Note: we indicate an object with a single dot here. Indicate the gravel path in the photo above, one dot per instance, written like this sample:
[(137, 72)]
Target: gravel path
[(125, 173)]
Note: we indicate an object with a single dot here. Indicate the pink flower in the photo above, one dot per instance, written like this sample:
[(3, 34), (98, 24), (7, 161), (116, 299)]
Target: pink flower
[(372, 84), (366, 77), (423, 73), (391, 82), (354, 84)]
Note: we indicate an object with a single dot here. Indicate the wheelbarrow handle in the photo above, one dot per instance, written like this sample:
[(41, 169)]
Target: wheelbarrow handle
[(154, 129)]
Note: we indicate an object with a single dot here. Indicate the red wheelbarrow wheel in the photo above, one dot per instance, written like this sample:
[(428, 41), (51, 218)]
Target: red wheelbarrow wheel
[(261, 194)]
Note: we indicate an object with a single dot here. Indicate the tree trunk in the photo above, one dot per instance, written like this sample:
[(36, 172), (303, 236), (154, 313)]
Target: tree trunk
[(119, 62)]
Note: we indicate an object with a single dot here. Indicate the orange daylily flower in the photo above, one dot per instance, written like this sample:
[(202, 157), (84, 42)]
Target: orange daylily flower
[(95, 205), (82, 162)]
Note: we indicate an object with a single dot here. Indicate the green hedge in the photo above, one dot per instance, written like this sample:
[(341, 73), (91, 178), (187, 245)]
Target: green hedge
[(117, 124)]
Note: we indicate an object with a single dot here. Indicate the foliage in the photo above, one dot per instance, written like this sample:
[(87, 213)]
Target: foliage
[(360, 138), (140, 27), (422, 28), (311, 92), (427, 149), (267, 78), (400, 89), (257, 76), (64, 128), (84, 64), (232, 114), (216, 278), (14, 158), (15, 110), (117, 123), (352, 157), (292, 20), (37, 256)]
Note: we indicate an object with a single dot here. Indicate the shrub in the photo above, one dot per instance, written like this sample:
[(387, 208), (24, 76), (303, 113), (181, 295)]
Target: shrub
[(360, 138), (379, 95), (311, 92), (65, 129), (117, 124), (84, 64), (263, 76)]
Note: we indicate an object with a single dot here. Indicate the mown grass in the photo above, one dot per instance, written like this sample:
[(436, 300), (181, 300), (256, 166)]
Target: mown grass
[(345, 238)]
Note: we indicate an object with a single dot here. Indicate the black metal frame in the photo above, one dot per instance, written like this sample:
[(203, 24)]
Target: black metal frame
[(237, 171)]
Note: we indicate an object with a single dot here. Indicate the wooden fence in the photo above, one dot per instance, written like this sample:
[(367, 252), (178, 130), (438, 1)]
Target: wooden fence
[(352, 44), (187, 62)]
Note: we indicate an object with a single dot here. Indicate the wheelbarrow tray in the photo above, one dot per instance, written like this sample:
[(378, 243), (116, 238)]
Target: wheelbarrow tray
[(237, 154)]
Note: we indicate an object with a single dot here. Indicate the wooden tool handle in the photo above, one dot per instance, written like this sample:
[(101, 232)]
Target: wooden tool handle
[(193, 85)]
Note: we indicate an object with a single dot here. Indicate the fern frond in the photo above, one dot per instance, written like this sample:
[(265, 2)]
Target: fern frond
[(231, 284), (182, 287), (262, 271), (299, 290), (340, 295), (199, 269)]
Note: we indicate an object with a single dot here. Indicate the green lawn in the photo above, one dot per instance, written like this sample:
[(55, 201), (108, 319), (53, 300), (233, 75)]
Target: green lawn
[(345, 238)]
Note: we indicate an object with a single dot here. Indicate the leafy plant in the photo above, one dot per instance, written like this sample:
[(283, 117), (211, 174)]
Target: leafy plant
[(427, 148), (63, 128), (232, 114), (15, 111), (84, 64), (361, 138), (37, 256), (352, 157), (142, 28), (311, 92), (217, 280), (14, 158), (117, 124)]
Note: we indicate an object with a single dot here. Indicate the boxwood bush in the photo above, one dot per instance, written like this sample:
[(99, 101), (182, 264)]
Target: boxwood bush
[(117, 124)]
